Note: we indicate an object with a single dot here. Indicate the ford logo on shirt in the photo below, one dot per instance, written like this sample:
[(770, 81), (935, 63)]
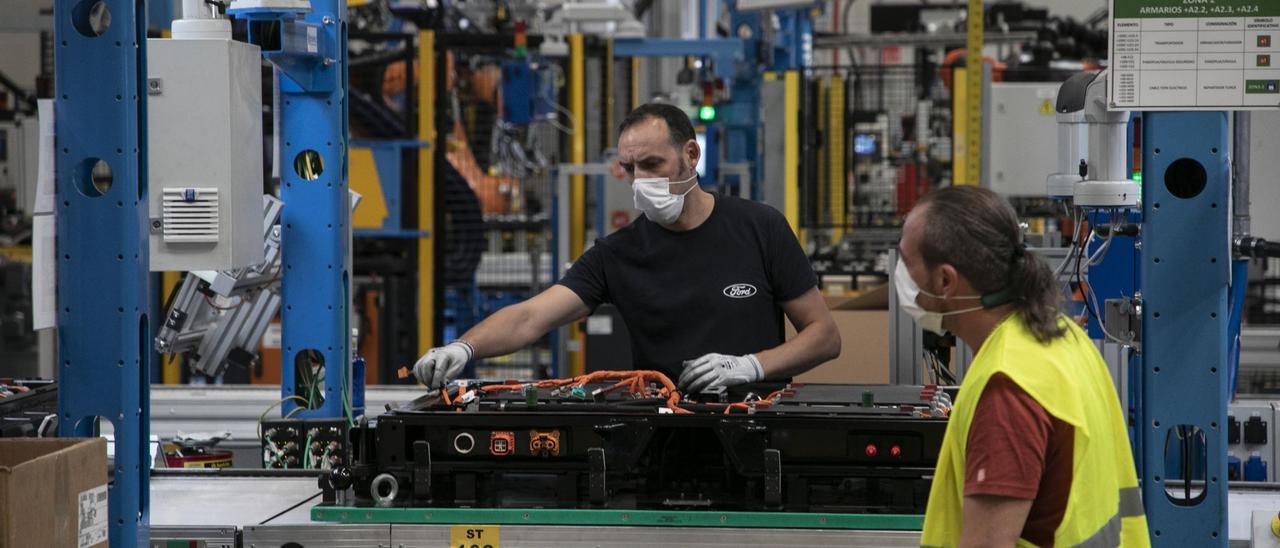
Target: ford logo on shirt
[(739, 291)]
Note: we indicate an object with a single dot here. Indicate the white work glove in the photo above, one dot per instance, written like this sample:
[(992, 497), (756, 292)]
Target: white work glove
[(443, 364), (714, 370)]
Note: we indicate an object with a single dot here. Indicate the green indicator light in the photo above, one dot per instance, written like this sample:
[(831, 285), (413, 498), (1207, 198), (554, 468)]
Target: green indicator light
[(707, 113)]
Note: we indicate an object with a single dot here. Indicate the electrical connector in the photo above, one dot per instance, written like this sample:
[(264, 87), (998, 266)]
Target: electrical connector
[(544, 444), (502, 444)]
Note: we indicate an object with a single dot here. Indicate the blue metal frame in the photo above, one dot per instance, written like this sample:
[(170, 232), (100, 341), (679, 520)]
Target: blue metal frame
[(1116, 276), (160, 14), (793, 45), (104, 286), (387, 154), (1185, 267), (1239, 291), (791, 49), (312, 79), (729, 56), (386, 159), (727, 52), (316, 216), (737, 125)]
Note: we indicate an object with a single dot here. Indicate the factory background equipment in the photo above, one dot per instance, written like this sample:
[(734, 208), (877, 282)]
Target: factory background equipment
[(478, 136)]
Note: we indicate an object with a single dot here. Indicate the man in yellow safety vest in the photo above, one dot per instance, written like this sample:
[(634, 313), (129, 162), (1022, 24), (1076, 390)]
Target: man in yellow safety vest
[(1036, 452)]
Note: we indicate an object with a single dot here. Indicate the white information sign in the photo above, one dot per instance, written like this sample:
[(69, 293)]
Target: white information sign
[(1195, 54)]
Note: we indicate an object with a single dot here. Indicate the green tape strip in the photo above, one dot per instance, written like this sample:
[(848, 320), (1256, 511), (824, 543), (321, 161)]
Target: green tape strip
[(642, 518)]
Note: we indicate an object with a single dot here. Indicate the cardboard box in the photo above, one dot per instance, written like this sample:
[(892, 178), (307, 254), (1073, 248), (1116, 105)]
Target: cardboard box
[(53, 492), (863, 322)]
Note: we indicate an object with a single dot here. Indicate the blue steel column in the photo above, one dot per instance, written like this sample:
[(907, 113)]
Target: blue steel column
[(740, 116), (160, 14), (1185, 267), (316, 216), (104, 286)]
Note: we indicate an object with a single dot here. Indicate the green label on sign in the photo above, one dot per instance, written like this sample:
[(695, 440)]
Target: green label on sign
[(1154, 9), (1262, 86)]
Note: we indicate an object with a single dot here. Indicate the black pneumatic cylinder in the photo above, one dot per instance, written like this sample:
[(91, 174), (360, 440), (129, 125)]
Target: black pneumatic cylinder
[(1258, 248)]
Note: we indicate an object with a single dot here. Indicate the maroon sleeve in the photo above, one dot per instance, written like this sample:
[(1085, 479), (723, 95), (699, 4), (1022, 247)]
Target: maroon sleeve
[(1008, 439)]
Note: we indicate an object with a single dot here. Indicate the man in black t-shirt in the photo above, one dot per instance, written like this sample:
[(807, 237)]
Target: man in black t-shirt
[(702, 281)]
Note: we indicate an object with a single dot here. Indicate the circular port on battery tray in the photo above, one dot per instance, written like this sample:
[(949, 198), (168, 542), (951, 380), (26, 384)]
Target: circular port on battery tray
[(463, 443), (384, 489)]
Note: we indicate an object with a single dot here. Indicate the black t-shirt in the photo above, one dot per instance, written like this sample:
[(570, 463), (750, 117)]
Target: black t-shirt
[(716, 288)]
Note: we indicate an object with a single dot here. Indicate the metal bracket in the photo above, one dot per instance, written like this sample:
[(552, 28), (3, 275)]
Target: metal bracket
[(335, 485), (741, 170), (622, 441), (176, 320), (330, 492), (772, 477), (302, 50), (1123, 320), (744, 443), (220, 336), (718, 394), (597, 489), (464, 489), (421, 470)]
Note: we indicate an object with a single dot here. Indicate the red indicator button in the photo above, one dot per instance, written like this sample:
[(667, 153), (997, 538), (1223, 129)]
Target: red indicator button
[(871, 450), (895, 452)]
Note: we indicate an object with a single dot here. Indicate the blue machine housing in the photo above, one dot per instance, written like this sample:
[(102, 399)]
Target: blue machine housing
[(517, 92)]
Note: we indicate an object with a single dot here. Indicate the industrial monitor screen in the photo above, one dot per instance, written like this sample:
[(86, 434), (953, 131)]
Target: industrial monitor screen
[(864, 144)]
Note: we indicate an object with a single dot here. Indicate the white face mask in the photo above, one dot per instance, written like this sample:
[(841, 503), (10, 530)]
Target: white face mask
[(653, 196), (927, 319)]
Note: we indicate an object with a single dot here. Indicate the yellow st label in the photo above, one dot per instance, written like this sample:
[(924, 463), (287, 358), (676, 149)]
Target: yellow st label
[(475, 536)]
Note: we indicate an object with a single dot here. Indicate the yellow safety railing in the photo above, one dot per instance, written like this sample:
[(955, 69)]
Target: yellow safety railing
[(426, 188)]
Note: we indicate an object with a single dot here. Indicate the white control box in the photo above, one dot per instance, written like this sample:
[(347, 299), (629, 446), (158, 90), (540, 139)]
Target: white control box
[(204, 155), (1019, 125)]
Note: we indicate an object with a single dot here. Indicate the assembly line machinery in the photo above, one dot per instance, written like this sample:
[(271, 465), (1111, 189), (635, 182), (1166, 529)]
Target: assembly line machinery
[(126, 201), (801, 465), (128, 205), (625, 440)]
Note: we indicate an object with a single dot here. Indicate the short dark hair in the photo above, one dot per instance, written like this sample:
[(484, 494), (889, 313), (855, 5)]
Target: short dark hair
[(678, 126), (976, 231)]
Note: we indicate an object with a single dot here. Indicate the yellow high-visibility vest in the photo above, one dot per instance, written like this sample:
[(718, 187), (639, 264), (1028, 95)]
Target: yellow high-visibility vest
[(1070, 380)]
